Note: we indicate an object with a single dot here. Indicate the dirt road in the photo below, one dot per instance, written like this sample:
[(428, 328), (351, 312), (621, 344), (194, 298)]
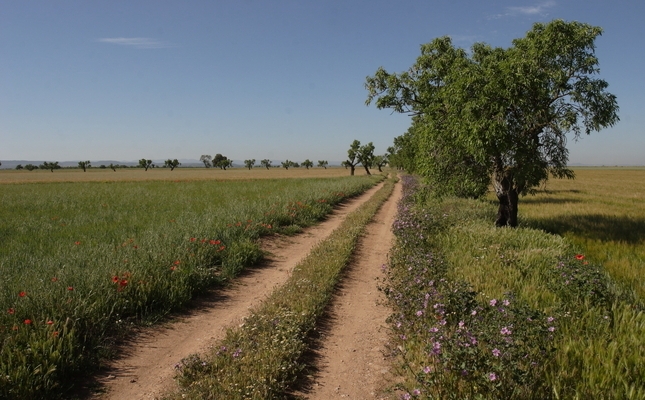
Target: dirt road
[(351, 360), (147, 367)]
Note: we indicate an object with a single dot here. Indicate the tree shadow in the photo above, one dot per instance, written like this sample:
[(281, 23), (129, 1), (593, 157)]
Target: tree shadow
[(605, 228), (547, 200)]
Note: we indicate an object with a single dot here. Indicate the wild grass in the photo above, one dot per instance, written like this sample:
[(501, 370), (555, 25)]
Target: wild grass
[(261, 359), (602, 213), (83, 261), (484, 312), (165, 174)]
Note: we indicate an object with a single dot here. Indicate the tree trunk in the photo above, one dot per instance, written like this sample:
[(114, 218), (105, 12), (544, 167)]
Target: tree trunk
[(351, 170), (508, 197), (367, 170)]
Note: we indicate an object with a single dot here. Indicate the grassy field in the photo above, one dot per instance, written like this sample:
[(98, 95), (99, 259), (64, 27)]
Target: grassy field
[(165, 174), (83, 261), (484, 312), (602, 213)]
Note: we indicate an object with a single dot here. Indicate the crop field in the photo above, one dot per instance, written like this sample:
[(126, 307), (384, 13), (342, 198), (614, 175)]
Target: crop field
[(83, 261), (165, 174), (602, 212), (486, 312)]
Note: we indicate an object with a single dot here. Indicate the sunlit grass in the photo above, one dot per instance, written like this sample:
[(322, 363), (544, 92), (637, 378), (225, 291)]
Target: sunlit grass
[(602, 213), (83, 261), (165, 174)]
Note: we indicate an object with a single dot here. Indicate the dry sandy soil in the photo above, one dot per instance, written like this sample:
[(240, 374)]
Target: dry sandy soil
[(349, 361)]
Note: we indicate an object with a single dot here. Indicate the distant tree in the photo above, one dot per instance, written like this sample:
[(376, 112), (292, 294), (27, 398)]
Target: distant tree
[(380, 161), (366, 156), (114, 167), (50, 165), (84, 165), (19, 166), (31, 167), (286, 164), (221, 161), (295, 164), (352, 156), (249, 163), (307, 163), (323, 163), (102, 166), (145, 164), (172, 164), (206, 159), (266, 163)]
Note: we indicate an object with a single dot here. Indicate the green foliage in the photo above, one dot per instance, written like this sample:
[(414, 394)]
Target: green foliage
[(287, 163), (366, 156), (266, 163), (353, 156), (97, 258), (307, 164), (499, 112), (145, 164), (222, 161), (48, 165), (172, 164), (31, 167), (84, 165), (207, 160), (249, 163), (323, 163), (19, 167)]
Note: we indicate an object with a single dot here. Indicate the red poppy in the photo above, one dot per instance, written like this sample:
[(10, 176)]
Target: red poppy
[(135, 246), (55, 333), (77, 243), (124, 282), (177, 262), (50, 322), (22, 294), (221, 248), (203, 240), (70, 288), (11, 311), (193, 239), (15, 327), (54, 279), (214, 242), (115, 279), (27, 322), (173, 268), (580, 257)]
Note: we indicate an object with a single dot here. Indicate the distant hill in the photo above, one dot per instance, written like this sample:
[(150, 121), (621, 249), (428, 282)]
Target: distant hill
[(186, 163)]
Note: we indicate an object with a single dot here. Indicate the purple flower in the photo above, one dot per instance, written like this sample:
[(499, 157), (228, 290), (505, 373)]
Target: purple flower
[(505, 331), (550, 319), (493, 302), (406, 396), (496, 352), (419, 313), (416, 392), (442, 322), (434, 329), (551, 328), (506, 303), (492, 376), (461, 324), (427, 369), (436, 348)]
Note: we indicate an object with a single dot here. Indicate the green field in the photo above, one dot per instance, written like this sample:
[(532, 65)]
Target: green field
[(83, 261), (486, 312)]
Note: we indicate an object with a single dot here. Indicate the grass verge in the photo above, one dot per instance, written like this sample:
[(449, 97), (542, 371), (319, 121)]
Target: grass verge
[(489, 313), (261, 359)]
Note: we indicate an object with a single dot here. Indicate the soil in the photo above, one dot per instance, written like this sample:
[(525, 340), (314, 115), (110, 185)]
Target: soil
[(350, 360)]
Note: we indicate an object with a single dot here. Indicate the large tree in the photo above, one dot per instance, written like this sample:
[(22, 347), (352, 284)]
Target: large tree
[(249, 163), (353, 156), (266, 163), (366, 156), (50, 165), (85, 165), (206, 159), (308, 164), (323, 163), (500, 113), (145, 164), (172, 164)]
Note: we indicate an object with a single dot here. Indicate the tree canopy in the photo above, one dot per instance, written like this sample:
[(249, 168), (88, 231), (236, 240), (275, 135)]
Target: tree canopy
[(498, 113), (172, 164), (266, 163), (249, 163)]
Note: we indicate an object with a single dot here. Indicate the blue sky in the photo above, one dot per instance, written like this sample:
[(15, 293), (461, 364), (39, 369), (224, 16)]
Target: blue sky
[(122, 80)]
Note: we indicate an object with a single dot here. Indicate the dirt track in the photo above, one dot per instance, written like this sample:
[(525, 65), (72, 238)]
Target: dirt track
[(352, 364)]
